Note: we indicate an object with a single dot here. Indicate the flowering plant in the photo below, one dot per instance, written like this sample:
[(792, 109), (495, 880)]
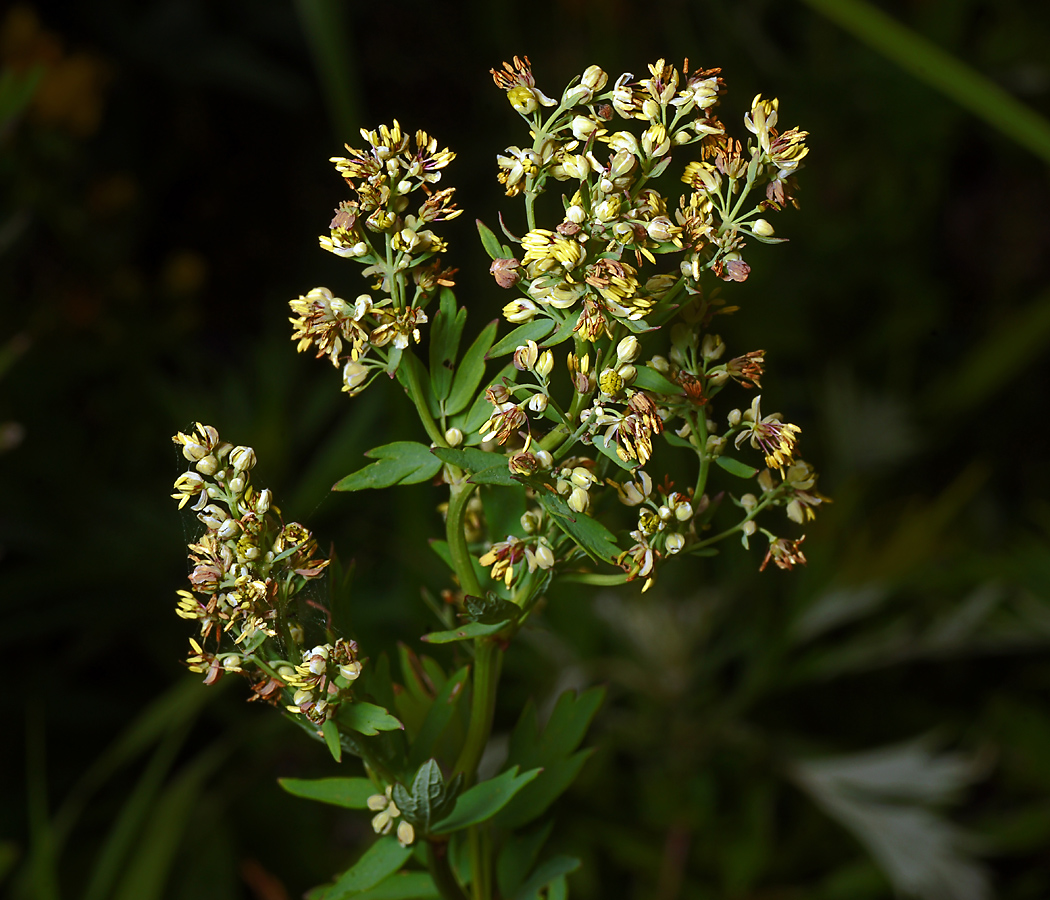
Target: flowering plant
[(625, 288)]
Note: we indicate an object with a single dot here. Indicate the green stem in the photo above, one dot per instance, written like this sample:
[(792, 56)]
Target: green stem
[(480, 862), (441, 872), (699, 423), (462, 561), (487, 660), (415, 391)]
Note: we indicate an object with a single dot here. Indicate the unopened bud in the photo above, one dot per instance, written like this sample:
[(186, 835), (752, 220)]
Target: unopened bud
[(734, 417), (762, 228), (674, 543), (627, 350), (712, 347), (453, 437), (544, 364), (531, 521), (537, 402)]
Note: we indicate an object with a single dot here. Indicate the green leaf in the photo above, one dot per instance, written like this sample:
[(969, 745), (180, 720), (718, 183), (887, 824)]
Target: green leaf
[(535, 330), (484, 800), (609, 450), (353, 793), (402, 886), (589, 533), (429, 799), (445, 335), (491, 610), (647, 378), (470, 370), (565, 331), (463, 633), (379, 862), (422, 379), (440, 714), (549, 871), (518, 856), (735, 467), (491, 243), (552, 750), (330, 732), (553, 781), (402, 462), (498, 475), (367, 718), (470, 458)]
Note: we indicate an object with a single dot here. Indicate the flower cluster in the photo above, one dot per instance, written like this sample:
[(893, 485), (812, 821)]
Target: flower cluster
[(397, 247), (595, 278), (247, 569)]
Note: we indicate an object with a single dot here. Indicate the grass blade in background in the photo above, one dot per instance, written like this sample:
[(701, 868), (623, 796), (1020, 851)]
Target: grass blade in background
[(325, 28), (941, 71)]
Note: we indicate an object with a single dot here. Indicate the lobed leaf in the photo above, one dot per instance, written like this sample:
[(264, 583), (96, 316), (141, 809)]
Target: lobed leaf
[(470, 371), (367, 718), (402, 462), (490, 610), (483, 801), (445, 334)]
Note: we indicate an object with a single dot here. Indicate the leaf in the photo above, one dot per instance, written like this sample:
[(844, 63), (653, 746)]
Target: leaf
[(429, 799), (490, 242), (469, 458), (490, 610), (379, 862), (330, 732), (470, 371), (367, 718), (402, 462), (589, 533), (440, 714), (466, 632), (609, 449), (481, 409), (736, 467), (445, 335), (352, 793), (552, 750), (553, 781), (887, 798), (518, 856), (402, 886), (483, 801), (535, 330), (498, 475), (547, 872), (649, 379)]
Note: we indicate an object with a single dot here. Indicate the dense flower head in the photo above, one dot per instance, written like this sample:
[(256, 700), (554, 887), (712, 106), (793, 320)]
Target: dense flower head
[(245, 569)]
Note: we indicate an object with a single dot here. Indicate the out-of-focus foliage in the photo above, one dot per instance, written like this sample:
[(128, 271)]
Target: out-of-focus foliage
[(876, 721)]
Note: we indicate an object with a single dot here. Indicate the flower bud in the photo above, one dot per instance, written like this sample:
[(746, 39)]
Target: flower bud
[(660, 364), (712, 347), (237, 484), (674, 543), (231, 663), (575, 214), (544, 556), (406, 834), (354, 375), (583, 127), (594, 78), (229, 529), (734, 417), (301, 696), (715, 445), (537, 402), (453, 437), (520, 311), (762, 228), (523, 99), (578, 500), (748, 501), (531, 521), (627, 350), (350, 671), (262, 501), (544, 459), (582, 477), (209, 465), (544, 364), (525, 356)]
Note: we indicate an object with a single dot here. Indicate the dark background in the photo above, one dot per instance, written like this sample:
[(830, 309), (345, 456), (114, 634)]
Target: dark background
[(162, 192)]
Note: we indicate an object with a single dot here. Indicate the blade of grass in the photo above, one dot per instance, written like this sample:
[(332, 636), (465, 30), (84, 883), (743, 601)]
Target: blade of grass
[(325, 27), (175, 708), (133, 817), (41, 865), (146, 875), (942, 71)]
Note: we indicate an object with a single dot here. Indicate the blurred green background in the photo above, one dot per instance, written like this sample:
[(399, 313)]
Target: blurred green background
[(875, 724)]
